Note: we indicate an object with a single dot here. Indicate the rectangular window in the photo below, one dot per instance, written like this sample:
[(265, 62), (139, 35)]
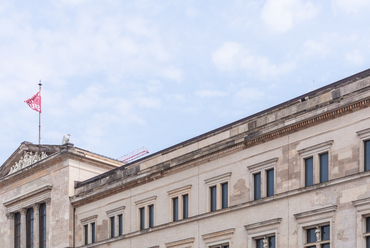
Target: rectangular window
[(225, 195), (308, 171), (17, 230), (323, 232), (151, 215), (86, 227), (29, 228), (185, 206), (270, 241), (368, 231), (367, 155), (270, 182), (93, 233), (112, 227), (42, 225), (324, 168), (175, 209), (142, 218), (213, 192), (120, 224), (257, 186)]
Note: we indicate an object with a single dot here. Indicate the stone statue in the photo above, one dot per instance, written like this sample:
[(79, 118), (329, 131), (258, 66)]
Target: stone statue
[(26, 160), (66, 139), (318, 234), (265, 242)]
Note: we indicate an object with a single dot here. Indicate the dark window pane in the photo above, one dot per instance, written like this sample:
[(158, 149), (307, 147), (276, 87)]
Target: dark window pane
[(368, 224), (112, 225), (213, 198), (259, 243), (324, 168), (42, 225), (175, 209), (225, 195), (257, 186), (325, 246), (270, 182), (120, 224), (225, 246), (272, 242), (29, 228), (325, 232), (17, 230), (185, 206), (92, 232), (368, 242), (311, 235), (142, 218), (86, 227), (309, 171), (151, 215), (367, 155)]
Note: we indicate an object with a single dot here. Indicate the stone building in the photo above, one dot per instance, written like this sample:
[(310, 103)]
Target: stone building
[(294, 175)]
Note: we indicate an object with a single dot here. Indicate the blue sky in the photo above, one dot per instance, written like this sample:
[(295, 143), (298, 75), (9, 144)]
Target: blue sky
[(118, 75)]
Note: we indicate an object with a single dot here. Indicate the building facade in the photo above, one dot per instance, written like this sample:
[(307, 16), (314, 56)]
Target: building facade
[(294, 175)]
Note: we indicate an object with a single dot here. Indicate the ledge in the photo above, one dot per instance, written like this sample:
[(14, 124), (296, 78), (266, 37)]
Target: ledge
[(267, 163), (315, 212), (322, 147), (89, 219), (263, 224), (27, 195), (173, 244)]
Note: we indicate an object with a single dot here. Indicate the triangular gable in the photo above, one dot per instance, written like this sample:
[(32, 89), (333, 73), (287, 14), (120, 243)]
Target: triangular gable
[(25, 155)]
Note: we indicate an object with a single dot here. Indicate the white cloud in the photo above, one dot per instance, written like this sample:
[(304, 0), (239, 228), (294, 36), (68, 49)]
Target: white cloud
[(173, 73), (355, 57), (154, 86), (211, 93), (248, 95), (350, 6), (149, 102), (283, 15), (322, 46), (233, 56)]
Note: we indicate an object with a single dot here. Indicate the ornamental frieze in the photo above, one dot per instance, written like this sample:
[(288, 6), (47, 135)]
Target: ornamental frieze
[(26, 160)]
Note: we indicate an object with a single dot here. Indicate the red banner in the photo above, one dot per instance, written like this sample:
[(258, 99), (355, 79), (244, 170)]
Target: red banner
[(35, 102)]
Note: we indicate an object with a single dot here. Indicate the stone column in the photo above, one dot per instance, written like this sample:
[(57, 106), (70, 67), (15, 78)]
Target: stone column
[(218, 196), (89, 233), (23, 212), (36, 225), (10, 217), (116, 226), (48, 220)]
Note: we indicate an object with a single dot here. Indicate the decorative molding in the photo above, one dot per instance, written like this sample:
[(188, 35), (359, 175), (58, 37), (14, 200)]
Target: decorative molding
[(364, 134), (262, 165), (183, 242), (47, 201), (316, 212), (36, 206), (318, 148), (361, 202), (146, 201), (180, 191), (218, 179), (10, 216), (26, 160), (41, 189), (263, 224), (23, 211), (89, 220), (220, 235), (115, 211)]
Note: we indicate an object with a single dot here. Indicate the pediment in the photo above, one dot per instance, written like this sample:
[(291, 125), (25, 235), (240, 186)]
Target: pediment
[(25, 155)]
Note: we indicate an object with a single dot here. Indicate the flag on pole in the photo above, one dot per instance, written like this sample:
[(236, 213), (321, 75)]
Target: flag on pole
[(35, 102)]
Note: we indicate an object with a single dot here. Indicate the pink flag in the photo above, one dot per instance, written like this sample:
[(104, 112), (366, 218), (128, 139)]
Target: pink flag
[(35, 102)]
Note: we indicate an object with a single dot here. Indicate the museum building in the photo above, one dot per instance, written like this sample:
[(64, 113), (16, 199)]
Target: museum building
[(294, 175)]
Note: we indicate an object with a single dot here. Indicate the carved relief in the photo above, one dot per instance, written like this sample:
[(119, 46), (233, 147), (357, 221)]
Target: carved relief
[(26, 160), (265, 242), (318, 234), (10, 216)]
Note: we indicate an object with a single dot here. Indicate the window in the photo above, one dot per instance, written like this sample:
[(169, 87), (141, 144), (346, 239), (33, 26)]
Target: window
[(220, 246), (367, 155), (308, 171), (93, 232), (17, 230), (112, 227), (29, 228), (179, 203), (364, 145), (315, 164), (363, 222), (86, 228), (318, 236), (183, 243), (89, 229), (115, 221), (269, 241), (42, 225), (218, 192), (120, 225), (146, 213), (220, 239), (262, 178), (315, 227), (367, 234), (270, 182)]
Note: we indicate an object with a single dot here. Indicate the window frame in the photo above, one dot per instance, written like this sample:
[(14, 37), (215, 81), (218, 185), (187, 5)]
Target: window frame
[(364, 135), (362, 212), (219, 238), (114, 213), (262, 168), (87, 222), (258, 230), (217, 182), (145, 203), (314, 152), (179, 193)]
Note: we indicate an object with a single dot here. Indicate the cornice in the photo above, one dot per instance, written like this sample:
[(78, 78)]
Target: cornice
[(173, 244), (263, 164), (89, 219), (28, 194), (315, 212), (263, 223)]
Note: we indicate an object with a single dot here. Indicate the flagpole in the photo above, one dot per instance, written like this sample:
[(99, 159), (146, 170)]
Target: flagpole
[(40, 115)]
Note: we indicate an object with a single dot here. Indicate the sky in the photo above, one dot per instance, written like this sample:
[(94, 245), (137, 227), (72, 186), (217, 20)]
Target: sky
[(119, 75)]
